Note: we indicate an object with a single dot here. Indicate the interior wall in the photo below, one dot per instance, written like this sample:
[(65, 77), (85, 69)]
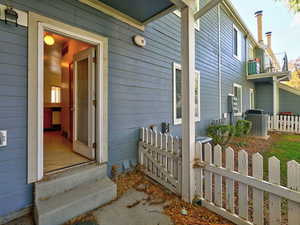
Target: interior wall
[(52, 70)]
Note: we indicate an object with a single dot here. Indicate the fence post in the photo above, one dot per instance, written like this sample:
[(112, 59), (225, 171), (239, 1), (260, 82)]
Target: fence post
[(258, 195), (274, 201), (243, 188), (199, 171), (218, 179), (142, 139), (230, 183), (294, 184), (208, 175)]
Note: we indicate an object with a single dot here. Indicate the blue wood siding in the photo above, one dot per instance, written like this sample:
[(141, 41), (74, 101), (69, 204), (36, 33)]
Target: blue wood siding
[(289, 102), (140, 82), (15, 193), (264, 97), (233, 70)]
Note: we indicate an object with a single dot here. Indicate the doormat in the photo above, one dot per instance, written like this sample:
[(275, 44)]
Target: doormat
[(86, 223)]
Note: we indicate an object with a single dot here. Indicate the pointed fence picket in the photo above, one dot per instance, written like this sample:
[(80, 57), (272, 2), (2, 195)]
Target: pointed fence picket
[(160, 157), (282, 123), (250, 208)]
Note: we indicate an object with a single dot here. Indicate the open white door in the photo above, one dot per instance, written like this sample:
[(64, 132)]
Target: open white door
[(84, 103)]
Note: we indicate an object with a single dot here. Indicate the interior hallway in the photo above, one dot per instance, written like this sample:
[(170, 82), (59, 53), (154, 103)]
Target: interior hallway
[(58, 152)]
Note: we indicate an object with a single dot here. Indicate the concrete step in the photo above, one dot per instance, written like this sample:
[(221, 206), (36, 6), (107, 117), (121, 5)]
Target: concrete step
[(62, 182), (65, 206)]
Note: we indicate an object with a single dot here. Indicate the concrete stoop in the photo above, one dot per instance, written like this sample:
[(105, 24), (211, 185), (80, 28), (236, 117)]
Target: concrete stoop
[(71, 194)]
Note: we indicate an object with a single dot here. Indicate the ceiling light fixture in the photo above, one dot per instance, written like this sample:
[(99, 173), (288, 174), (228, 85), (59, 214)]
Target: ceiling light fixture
[(49, 40)]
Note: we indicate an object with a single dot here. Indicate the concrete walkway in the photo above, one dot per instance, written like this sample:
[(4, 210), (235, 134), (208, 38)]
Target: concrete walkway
[(117, 213)]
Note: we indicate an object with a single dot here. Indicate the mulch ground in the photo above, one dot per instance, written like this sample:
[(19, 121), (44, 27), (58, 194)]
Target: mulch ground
[(158, 195), (173, 205)]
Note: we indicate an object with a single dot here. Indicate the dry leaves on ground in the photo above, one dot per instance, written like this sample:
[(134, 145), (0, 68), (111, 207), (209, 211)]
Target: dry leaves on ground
[(173, 205)]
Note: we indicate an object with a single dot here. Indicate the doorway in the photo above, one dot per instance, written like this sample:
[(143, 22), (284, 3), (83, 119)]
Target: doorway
[(69, 96), (37, 26)]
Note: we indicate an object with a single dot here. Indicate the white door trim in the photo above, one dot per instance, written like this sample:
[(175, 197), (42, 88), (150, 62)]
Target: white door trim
[(37, 24)]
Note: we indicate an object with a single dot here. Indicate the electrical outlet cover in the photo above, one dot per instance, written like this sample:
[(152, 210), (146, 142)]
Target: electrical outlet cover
[(3, 138)]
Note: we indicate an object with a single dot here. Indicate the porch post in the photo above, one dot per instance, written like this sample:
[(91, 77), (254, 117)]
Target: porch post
[(275, 96), (188, 101)]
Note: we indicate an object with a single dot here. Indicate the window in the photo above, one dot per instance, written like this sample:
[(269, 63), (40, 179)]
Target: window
[(238, 93), (197, 22), (250, 52), (55, 94), (237, 43), (252, 103), (177, 95)]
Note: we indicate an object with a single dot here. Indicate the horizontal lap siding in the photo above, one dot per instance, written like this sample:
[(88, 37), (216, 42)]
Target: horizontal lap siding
[(289, 102), (140, 81), (140, 84), (264, 97), (15, 193), (233, 70)]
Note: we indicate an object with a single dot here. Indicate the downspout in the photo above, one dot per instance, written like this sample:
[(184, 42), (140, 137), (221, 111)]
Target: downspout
[(219, 61)]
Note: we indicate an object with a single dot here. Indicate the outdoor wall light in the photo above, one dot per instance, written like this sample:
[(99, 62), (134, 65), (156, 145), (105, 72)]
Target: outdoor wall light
[(49, 40), (11, 15)]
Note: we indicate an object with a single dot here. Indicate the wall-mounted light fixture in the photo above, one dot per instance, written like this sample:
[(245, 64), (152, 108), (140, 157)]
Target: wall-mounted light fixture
[(49, 40), (11, 15)]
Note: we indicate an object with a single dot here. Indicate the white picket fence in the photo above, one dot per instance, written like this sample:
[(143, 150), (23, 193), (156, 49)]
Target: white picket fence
[(284, 123), (218, 167), (160, 157)]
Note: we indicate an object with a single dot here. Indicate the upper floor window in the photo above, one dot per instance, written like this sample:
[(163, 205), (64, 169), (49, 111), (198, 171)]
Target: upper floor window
[(177, 95), (197, 22), (55, 94), (238, 93), (237, 43), (250, 52)]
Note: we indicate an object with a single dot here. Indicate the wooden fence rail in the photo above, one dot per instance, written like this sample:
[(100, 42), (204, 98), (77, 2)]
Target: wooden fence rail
[(223, 200), (160, 156), (224, 183), (284, 123)]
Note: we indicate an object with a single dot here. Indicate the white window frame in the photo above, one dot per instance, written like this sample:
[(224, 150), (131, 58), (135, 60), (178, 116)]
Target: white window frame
[(251, 93), (56, 96), (176, 121), (239, 43), (250, 49), (235, 85), (197, 22)]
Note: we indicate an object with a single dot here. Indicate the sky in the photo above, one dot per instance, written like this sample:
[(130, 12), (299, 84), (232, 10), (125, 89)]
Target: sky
[(283, 23)]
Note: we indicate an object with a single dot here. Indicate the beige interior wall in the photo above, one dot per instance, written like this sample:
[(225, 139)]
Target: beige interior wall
[(52, 70)]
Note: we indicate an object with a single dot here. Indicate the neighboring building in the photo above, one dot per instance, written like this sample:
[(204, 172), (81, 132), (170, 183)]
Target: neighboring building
[(51, 97)]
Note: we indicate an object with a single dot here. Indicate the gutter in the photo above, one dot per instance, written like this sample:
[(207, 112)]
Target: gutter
[(220, 61)]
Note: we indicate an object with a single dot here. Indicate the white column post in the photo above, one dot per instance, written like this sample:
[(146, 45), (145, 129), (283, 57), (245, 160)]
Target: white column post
[(188, 101), (275, 96)]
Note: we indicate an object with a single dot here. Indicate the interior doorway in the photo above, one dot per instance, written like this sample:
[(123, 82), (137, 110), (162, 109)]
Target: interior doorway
[(69, 102)]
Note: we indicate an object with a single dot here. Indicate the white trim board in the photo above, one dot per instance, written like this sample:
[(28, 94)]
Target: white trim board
[(251, 92), (267, 75), (177, 66), (239, 42), (241, 87), (289, 89), (23, 16), (37, 24)]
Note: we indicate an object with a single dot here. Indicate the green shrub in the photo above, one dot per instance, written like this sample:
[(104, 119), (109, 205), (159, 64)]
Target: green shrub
[(221, 134), (242, 128)]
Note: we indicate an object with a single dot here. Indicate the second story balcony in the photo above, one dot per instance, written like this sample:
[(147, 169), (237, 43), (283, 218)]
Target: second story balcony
[(267, 67)]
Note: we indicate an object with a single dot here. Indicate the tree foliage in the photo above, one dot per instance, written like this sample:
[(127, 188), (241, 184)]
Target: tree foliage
[(293, 5)]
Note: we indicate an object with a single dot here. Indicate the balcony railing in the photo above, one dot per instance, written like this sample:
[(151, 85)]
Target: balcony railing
[(270, 65)]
